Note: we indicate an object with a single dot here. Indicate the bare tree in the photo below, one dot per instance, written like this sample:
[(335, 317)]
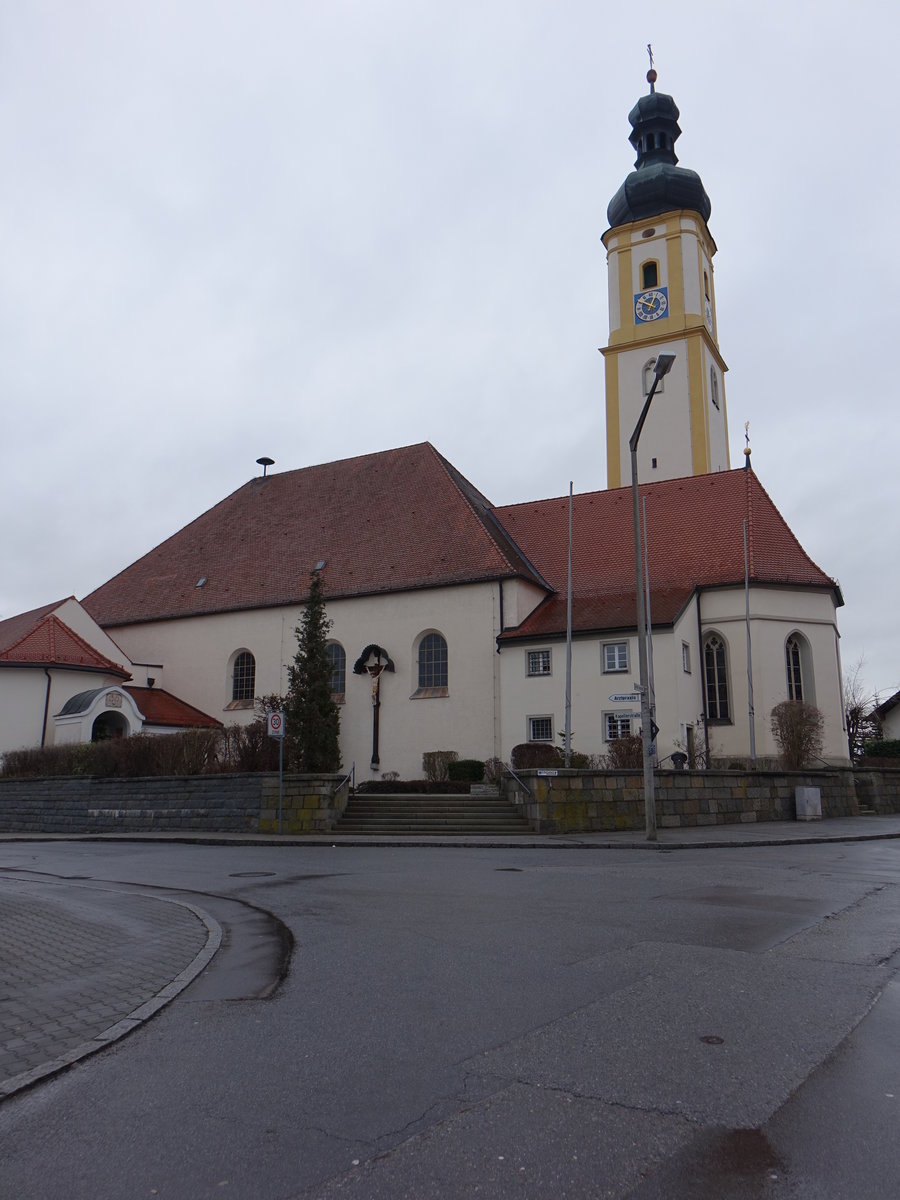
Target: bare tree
[(797, 729), (859, 710)]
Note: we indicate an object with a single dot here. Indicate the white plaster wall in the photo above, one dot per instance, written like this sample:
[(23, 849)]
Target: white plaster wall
[(22, 692), (666, 433), (81, 622), (22, 697), (196, 654), (891, 724), (775, 613)]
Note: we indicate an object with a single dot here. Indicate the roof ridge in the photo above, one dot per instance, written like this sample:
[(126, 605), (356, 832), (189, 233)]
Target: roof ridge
[(467, 490)]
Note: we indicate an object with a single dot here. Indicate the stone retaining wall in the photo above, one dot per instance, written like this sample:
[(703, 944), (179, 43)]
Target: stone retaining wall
[(597, 801), (199, 803)]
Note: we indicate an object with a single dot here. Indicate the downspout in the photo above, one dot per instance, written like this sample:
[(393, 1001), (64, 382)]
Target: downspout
[(703, 680), (46, 707)]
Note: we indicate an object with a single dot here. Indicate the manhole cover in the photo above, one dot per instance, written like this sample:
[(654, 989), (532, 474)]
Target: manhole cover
[(712, 1039), (507, 868), (250, 874)]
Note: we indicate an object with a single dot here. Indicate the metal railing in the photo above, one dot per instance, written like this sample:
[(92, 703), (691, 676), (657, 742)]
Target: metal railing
[(521, 782)]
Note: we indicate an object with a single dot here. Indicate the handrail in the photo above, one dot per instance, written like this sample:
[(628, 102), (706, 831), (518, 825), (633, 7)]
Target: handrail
[(351, 774), (521, 782)]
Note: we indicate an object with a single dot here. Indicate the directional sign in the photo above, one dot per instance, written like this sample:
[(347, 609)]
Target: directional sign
[(624, 698), (276, 724)]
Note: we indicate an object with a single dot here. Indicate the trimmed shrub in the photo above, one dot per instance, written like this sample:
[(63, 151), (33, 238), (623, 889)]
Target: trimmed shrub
[(530, 755), (406, 787), (435, 763), (470, 770), (882, 749)]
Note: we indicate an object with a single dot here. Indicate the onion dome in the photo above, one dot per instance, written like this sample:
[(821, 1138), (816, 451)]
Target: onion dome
[(657, 185)]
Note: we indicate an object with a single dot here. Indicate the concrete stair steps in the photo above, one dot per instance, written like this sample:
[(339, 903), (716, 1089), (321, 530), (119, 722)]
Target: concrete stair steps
[(431, 813)]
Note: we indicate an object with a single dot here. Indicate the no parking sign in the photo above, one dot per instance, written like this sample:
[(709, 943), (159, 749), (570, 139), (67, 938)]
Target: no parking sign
[(276, 725)]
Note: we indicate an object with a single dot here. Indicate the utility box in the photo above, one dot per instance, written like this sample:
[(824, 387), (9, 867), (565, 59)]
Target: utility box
[(809, 803)]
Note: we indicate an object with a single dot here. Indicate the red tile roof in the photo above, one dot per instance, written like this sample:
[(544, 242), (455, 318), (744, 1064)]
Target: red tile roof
[(162, 708), (39, 638), (695, 539), (385, 522)]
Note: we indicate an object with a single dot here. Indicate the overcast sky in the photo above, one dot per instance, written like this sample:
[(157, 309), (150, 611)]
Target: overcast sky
[(316, 230)]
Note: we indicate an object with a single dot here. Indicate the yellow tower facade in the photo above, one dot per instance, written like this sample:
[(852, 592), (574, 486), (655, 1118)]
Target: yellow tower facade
[(662, 299)]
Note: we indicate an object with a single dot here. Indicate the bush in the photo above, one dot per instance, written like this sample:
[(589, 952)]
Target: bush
[(882, 748), (530, 755), (248, 748), (625, 753), (406, 787), (435, 763), (797, 729), (470, 770), (493, 770)]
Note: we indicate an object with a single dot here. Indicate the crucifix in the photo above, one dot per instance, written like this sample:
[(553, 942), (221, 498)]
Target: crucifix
[(374, 670)]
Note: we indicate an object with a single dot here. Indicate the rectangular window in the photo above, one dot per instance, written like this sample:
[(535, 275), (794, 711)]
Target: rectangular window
[(615, 657), (616, 725), (686, 658), (540, 729), (538, 662)]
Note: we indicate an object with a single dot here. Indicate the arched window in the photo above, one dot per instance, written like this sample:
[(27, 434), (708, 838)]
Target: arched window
[(706, 284), (715, 678), (243, 677), (650, 274), (337, 656), (798, 666), (432, 661), (714, 386)]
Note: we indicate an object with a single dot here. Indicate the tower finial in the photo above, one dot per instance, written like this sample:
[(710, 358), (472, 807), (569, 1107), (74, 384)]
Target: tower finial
[(747, 450), (651, 74)]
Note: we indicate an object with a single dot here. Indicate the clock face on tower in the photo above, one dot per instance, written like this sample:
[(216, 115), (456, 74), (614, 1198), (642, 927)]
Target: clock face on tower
[(651, 306)]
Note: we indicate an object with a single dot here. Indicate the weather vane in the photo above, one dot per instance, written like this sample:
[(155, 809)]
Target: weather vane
[(746, 443), (650, 52)]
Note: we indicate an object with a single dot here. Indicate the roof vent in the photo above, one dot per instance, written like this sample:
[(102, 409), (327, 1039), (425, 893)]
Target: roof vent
[(201, 582), (320, 565)]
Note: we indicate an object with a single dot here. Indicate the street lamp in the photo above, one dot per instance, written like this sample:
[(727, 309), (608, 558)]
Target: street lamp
[(662, 366)]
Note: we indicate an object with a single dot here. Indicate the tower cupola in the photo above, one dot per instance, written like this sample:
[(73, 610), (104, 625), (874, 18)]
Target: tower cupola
[(658, 184)]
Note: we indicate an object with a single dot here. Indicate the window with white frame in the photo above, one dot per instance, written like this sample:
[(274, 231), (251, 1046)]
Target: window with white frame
[(615, 657), (540, 729), (616, 725), (538, 662), (685, 658), (243, 678)]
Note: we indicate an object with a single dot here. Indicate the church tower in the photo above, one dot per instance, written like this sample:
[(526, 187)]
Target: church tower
[(662, 298)]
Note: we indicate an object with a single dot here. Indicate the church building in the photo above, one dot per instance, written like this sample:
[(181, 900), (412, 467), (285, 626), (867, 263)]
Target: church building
[(449, 613)]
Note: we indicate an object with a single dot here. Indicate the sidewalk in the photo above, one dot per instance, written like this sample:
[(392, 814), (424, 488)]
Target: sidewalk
[(763, 833), (82, 966)]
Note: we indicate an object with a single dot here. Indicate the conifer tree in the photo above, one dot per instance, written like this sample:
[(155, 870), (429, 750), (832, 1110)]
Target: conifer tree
[(312, 719)]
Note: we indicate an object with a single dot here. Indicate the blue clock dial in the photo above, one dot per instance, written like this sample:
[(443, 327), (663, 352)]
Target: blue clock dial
[(651, 306)]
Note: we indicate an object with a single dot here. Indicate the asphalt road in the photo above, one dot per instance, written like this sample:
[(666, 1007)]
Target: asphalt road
[(488, 1023)]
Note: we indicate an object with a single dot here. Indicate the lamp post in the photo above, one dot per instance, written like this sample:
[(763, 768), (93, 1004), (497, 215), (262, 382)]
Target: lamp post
[(662, 367)]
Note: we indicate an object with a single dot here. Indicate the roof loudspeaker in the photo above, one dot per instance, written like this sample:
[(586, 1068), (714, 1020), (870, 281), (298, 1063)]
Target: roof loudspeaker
[(265, 462)]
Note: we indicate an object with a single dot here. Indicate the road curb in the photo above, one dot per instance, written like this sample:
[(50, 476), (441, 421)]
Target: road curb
[(134, 1019)]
